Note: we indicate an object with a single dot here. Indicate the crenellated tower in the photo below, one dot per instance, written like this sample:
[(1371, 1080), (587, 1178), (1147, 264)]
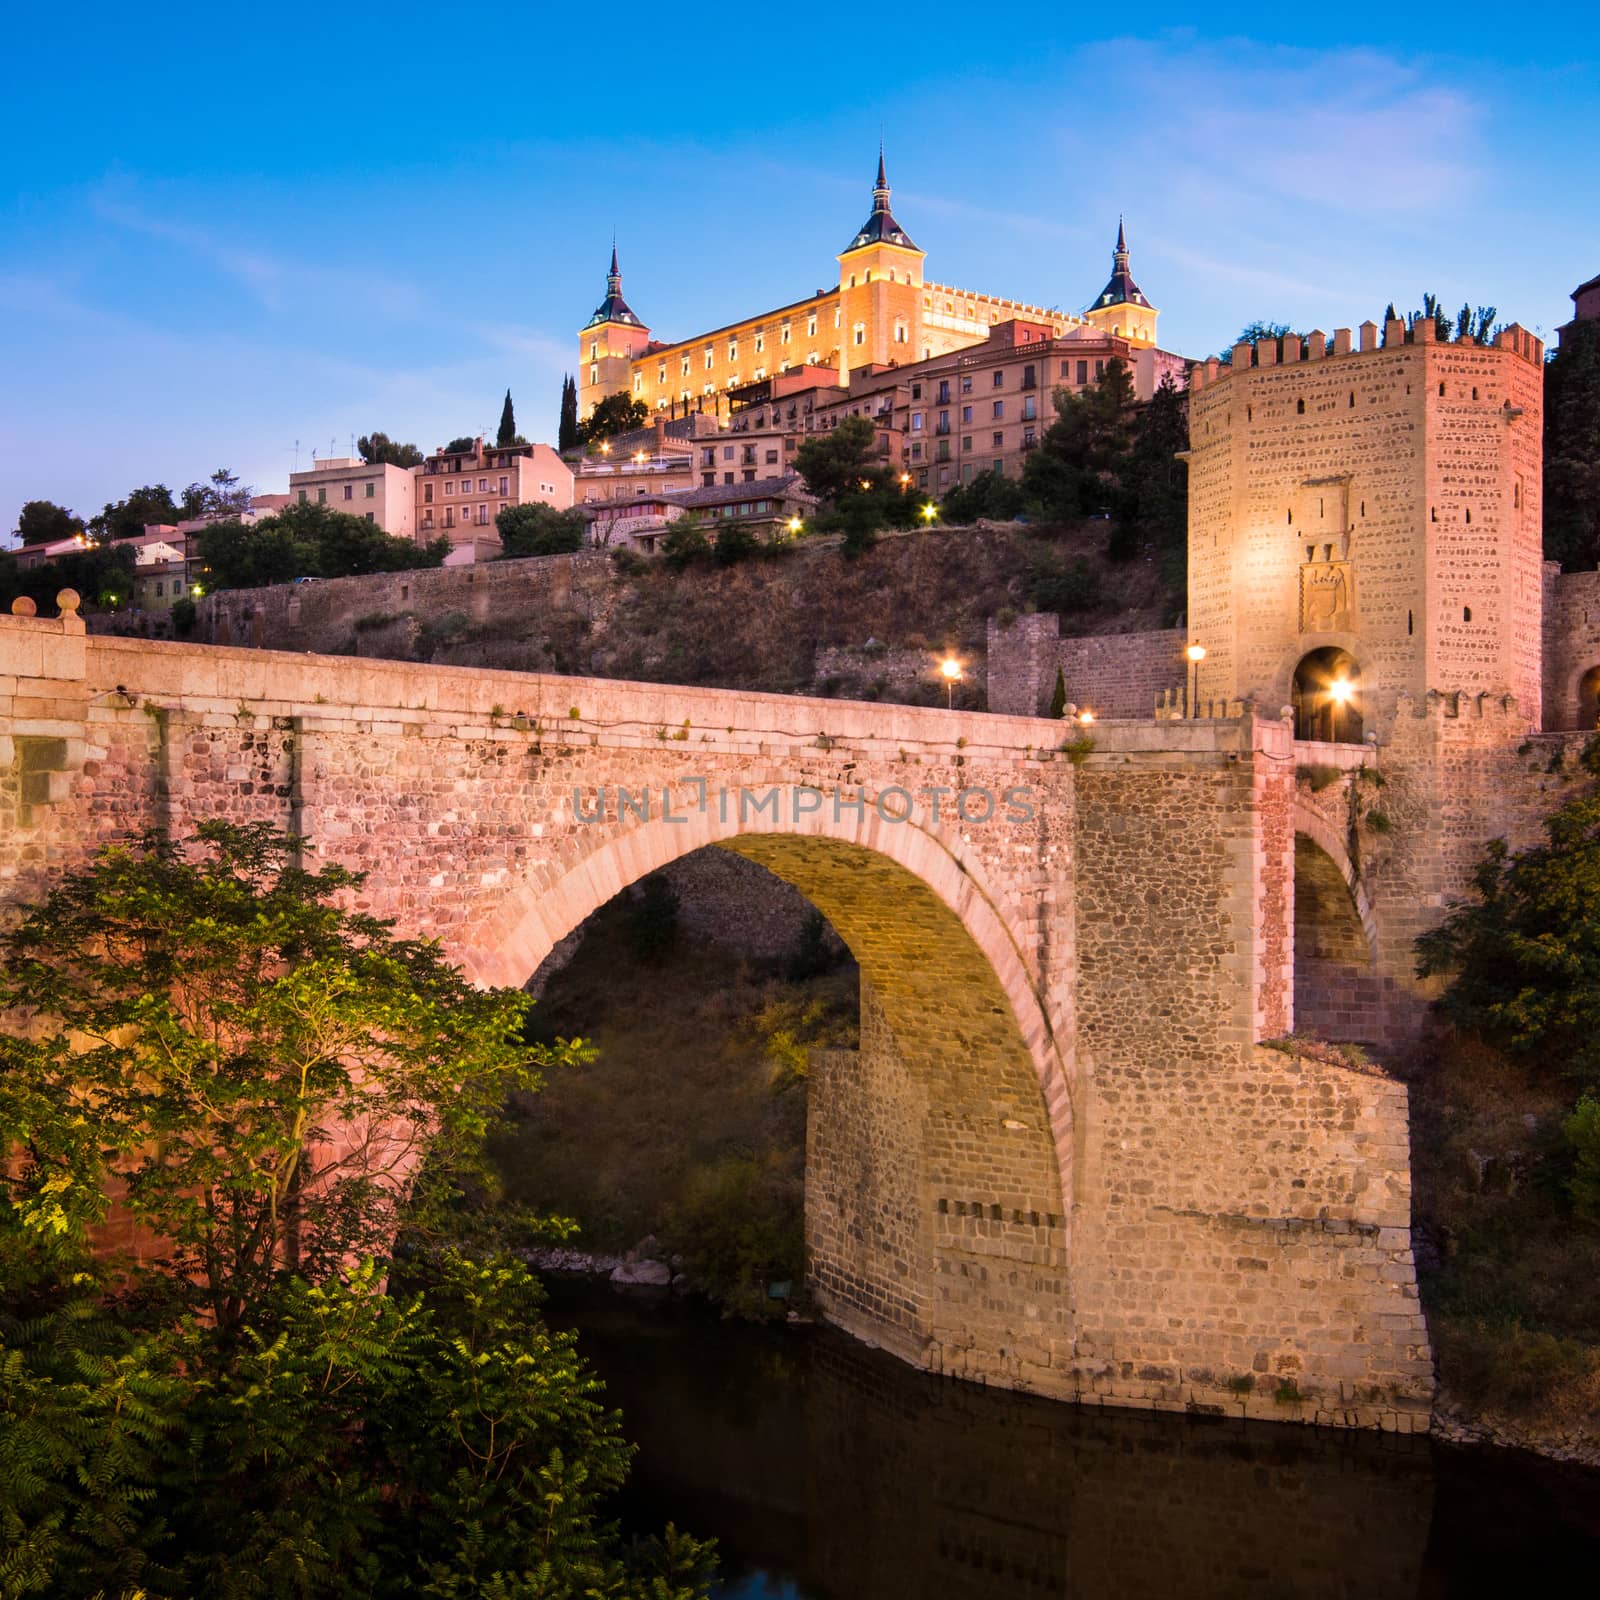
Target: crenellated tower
[(608, 344)]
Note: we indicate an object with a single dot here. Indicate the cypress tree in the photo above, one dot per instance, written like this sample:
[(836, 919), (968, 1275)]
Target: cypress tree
[(1058, 697), (508, 424), (567, 437)]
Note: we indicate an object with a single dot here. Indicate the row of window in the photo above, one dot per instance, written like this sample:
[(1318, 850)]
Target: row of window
[(349, 493), (482, 519), (466, 488)]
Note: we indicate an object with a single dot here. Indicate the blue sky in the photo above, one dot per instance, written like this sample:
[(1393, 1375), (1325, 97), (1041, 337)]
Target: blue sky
[(222, 233)]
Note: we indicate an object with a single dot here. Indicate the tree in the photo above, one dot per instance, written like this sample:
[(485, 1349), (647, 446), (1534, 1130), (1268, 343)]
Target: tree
[(989, 494), (1058, 695), (569, 435), (685, 541), (1155, 486), (378, 449), (464, 442), (536, 529), (1252, 334), (508, 424), (1076, 471), (617, 413), (307, 541), (222, 496), (1572, 448), (260, 1067), (44, 522), (835, 465), (735, 543), (213, 1024), (128, 518), (1523, 956), (101, 574)]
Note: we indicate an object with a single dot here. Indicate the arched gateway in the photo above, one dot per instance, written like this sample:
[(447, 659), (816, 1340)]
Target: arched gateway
[(1061, 1159)]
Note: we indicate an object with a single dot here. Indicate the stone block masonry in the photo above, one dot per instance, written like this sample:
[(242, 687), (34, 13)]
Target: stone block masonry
[(1115, 675), (1058, 1162)]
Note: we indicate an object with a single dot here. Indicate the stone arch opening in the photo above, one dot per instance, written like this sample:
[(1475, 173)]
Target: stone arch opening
[(937, 1153), (1336, 989), (1326, 695), (1589, 699)]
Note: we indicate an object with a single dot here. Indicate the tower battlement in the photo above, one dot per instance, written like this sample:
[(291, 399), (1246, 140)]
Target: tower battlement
[(1293, 349)]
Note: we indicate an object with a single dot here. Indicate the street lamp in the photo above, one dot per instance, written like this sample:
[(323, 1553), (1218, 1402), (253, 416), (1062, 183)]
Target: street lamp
[(1086, 717), (1196, 654), (905, 481), (1339, 693), (929, 512), (795, 525), (950, 670)]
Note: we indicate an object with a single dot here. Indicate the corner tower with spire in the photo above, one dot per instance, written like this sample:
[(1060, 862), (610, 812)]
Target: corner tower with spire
[(1121, 308), (608, 344), (880, 274)]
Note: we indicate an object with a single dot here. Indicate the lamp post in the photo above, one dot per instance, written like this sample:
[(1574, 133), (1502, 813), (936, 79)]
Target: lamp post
[(929, 512), (1196, 654), (950, 670), (795, 525)]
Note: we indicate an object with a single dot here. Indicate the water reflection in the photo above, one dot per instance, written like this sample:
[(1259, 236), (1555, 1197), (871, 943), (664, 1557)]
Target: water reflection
[(827, 1470)]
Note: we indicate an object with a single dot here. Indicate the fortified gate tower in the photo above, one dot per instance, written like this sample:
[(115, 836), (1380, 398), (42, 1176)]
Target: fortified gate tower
[(1364, 524)]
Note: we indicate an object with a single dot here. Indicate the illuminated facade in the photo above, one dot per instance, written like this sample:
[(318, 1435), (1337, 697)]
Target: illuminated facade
[(882, 311)]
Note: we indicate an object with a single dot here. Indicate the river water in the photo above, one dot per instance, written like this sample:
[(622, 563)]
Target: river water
[(828, 1471)]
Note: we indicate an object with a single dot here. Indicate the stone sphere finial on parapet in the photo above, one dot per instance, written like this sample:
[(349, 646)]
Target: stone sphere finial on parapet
[(22, 606), (68, 601)]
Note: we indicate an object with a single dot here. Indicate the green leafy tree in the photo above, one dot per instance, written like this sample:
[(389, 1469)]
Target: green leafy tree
[(569, 435), (1572, 449), (508, 425), (685, 542), (1076, 471), (1252, 334), (128, 518), (102, 575), (259, 1067), (1523, 956), (44, 522), (840, 463), (378, 449), (616, 413), (990, 494), (307, 540), (462, 442), (1155, 487), (735, 543), (536, 529)]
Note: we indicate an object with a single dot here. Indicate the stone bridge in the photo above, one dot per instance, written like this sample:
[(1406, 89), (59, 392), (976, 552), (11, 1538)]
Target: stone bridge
[(1061, 1159)]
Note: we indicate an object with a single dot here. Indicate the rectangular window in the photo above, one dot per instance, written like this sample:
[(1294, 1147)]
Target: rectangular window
[(1099, 370), (916, 391), (966, 384), (158, 589), (783, 334), (811, 323), (727, 477), (999, 409), (772, 458), (1083, 372), (916, 450), (966, 413), (999, 441), (372, 490), (916, 422), (966, 442), (370, 517), (450, 487), (322, 497), (505, 486), (1029, 381), (727, 452), (1030, 408), (349, 491), (302, 497), (483, 486), (999, 379)]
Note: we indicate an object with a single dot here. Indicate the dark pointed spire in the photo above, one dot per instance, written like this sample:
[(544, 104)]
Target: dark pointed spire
[(613, 308), (1121, 289), (880, 227)]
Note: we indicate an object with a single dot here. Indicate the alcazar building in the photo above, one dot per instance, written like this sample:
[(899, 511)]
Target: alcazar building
[(883, 311)]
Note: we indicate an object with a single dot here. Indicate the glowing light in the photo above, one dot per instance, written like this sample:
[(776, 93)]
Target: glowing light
[(1086, 716), (795, 524), (951, 669), (1340, 690), (605, 447), (905, 480), (866, 483), (638, 456), (1196, 653), (929, 512)]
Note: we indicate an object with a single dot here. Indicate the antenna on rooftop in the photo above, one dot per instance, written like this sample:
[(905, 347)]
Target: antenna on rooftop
[(297, 455)]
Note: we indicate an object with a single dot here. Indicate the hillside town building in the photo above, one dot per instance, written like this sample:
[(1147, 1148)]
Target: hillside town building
[(459, 493)]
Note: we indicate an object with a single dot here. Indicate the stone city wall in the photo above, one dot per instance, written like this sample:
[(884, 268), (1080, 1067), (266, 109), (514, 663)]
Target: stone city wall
[(1571, 649), (1115, 675)]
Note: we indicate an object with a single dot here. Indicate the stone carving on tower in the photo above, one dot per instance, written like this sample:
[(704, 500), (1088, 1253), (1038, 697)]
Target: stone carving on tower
[(1319, 522)]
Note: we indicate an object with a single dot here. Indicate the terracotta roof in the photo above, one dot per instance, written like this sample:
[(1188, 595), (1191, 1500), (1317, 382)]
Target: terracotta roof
[(787, 488)]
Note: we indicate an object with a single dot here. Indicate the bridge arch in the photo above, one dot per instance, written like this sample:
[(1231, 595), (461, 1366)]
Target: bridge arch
[(940, 1154), (1337, 990)]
